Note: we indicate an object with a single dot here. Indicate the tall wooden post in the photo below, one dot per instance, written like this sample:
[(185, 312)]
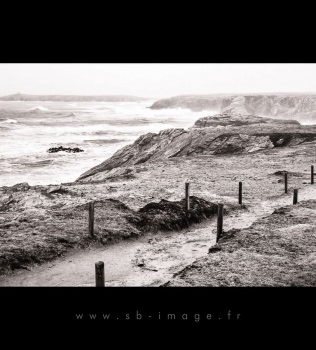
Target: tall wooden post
[(219, 221), (187, 196), (295, 196), (240, 193), (99, 274), (91, 219), (285, 182), (312, 174)]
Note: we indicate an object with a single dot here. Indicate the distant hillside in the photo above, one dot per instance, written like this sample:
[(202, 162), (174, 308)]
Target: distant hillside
[(72, 98)]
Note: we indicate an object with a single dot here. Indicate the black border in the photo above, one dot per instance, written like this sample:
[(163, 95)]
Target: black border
[(229, 41), (210, 37), (258, 308)]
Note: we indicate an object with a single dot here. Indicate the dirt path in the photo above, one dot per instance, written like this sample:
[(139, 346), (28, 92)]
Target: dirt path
[(150, 260)]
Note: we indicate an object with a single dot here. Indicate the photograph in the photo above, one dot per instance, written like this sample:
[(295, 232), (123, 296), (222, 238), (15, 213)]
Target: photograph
[(158, 175)]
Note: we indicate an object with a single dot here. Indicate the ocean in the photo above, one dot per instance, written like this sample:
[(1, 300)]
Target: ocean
[(29, 129)]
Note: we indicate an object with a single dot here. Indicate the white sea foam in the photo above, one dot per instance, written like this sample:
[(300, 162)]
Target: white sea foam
[(39, 108), (9, 121)]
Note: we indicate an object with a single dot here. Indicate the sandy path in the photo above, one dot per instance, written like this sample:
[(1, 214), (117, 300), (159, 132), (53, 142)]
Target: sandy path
[(161, 255)]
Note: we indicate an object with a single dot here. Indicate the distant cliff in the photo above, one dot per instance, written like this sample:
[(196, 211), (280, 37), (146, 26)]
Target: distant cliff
[(72, 98), (269, 105), (216, 135), (193, 102)]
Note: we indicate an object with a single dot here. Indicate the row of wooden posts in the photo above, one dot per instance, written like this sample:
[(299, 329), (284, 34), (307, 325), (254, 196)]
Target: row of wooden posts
[(99, 266)]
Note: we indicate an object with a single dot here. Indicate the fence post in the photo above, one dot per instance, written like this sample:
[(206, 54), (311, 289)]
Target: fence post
[(285, 182), (240, 193), (295, 196), (91, 218), (219, 221), (99, 274), (187, 196), (312, 174)]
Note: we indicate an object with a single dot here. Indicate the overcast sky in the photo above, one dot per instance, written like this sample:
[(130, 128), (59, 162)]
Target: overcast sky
[(155, 80)]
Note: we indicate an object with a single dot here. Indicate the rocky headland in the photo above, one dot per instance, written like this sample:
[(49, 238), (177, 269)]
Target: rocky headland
[(227, 133)]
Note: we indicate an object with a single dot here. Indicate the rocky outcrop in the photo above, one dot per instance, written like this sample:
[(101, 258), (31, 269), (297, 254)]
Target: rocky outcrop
[(237, 119), (64, 149), (279, 105), (147, 147), (221, 134)]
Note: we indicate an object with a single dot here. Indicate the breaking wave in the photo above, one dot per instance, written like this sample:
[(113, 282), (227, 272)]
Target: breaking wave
[(9, 121), (38, 108)]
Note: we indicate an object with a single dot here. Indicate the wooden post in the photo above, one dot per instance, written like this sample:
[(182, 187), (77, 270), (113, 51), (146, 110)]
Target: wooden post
[(285, 182), (312, 174), (91, 219), (240, 193), (219, 221), (295, 196), (187, 196), (99, 274)]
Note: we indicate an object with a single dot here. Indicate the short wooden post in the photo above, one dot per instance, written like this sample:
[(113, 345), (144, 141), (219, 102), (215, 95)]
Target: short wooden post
[(295, 196), (99, 274), (285, 182), (187, 196), (219, 221), (240, 193), (91, 218), (312, 174)]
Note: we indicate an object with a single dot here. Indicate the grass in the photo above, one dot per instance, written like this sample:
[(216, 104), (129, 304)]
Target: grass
[(38, 238), (278, 250)]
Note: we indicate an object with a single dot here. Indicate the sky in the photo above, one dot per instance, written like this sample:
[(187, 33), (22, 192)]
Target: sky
[(155, 80)]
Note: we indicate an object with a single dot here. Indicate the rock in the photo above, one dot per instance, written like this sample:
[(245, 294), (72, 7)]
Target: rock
[(214, 249), (54, 189), (139, 170), (280, 172), (9, 224), (64, 149), (254, 149), (63, 240), (24, 186), (244, 137), (238, 119), (280, 142)]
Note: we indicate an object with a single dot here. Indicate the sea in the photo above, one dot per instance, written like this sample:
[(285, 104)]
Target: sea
[(28, 129)]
